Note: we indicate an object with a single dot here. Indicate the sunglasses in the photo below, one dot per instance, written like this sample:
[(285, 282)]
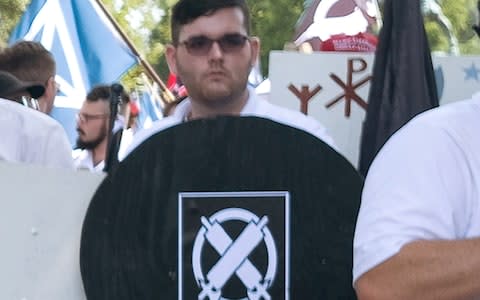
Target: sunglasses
[(201, 45)]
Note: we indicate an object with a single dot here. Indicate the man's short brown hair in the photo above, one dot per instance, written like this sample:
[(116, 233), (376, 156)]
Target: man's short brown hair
[(29, 61), (186, 11)]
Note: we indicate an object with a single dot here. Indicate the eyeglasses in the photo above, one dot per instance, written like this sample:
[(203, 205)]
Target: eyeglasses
[(83, 117), (201, 45)]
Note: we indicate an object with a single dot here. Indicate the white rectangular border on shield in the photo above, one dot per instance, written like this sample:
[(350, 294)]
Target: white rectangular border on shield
[(284, 194)]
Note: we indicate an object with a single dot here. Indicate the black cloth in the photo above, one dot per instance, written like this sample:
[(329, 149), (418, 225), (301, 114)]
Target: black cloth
[(129, 246), (403, 82), (111, 161)]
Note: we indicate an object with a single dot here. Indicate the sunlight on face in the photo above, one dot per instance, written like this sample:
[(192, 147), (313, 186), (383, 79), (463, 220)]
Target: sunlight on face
[(219, 76)]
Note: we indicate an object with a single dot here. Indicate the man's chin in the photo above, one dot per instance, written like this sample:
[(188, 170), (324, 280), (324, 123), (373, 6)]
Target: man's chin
[(217, 93)]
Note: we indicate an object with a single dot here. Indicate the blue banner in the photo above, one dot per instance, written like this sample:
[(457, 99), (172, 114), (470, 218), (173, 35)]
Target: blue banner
[(87, 49), (150, 111)]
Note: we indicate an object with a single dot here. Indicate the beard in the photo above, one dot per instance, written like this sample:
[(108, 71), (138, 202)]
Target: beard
[(92, 144), (215, 93)]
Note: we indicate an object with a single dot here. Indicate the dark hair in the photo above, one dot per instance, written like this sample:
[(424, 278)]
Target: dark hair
[(186, 11), (29, 61), (103, 92), (99, 93)]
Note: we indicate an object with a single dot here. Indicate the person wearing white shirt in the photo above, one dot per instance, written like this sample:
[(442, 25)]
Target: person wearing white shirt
[(92, 127), (418, 229), (29, 136), (212, 52), (31, 61)]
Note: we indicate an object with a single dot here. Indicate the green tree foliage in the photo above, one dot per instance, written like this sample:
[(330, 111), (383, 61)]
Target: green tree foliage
[(273, 22), (160, 37), (10, 12), (462, 14), (137, 19)]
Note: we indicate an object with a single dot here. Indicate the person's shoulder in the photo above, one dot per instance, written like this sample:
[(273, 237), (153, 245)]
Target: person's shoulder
[(78, 154), (448, 116), (27, 117), (82, 159), (181, 110), (145, 133), (443, 130), (286, 115), (294, 119), (12, 109), (156, 127)]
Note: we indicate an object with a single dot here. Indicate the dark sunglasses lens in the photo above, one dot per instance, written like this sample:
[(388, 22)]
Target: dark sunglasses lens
[(232, 42), (199, 45)]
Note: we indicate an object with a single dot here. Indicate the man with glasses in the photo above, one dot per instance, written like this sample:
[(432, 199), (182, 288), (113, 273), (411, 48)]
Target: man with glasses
[(213, 52), (30, 61), (29, 136), (93, 125)]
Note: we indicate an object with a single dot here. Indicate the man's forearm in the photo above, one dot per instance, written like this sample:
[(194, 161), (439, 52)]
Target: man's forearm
[(426, 270)]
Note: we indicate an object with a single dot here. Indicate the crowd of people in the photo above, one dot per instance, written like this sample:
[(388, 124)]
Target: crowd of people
[(418, 230)]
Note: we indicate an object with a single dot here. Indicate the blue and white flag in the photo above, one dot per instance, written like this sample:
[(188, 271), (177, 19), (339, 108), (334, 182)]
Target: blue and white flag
[(149, 104), (87, 48), (149, 111)]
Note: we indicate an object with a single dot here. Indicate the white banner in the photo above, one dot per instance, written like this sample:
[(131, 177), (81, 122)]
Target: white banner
[(41, 217), (333, 88)]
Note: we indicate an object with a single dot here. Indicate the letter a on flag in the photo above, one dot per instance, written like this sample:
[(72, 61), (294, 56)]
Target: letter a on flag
[(87, 49)]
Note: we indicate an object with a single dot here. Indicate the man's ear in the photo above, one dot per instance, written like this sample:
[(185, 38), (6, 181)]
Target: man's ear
[(255, 49), (170, 52), (50, 88), (50, 84)]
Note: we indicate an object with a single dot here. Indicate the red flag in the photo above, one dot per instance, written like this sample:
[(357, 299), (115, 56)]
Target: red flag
[(339, 25), (175, 85)]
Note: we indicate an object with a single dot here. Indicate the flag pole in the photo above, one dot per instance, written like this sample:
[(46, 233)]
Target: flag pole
[(167, 94)]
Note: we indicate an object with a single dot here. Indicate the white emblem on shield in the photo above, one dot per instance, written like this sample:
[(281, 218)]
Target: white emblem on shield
[(234, 255)]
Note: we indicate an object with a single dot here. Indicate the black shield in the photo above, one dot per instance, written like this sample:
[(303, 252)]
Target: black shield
[(130, 238)]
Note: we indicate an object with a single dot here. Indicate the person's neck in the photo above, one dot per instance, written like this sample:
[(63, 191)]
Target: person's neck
[(99, 152), (200, 110)]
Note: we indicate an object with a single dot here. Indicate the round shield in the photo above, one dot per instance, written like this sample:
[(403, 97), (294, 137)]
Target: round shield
[(225, 208)]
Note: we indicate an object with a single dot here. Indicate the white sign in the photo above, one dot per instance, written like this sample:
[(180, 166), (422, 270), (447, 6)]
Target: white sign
[(41, 217), (334, 87)]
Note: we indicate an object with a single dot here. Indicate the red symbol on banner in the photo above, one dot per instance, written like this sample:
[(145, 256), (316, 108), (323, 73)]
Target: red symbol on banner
[(349, 88), (304, 95)]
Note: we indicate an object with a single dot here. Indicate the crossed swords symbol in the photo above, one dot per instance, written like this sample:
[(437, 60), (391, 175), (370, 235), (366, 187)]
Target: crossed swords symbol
[(234, 259)]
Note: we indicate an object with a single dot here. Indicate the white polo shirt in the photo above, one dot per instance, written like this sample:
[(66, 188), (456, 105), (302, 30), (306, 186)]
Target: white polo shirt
[(29, 136), (423, 185)]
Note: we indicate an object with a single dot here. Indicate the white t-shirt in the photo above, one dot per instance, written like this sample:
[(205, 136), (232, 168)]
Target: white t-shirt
[(29, 136), (423, 185), (83, 160), (254, 107)]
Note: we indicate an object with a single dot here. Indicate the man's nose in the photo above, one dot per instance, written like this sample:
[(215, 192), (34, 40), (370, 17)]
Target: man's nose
[(215, 51)]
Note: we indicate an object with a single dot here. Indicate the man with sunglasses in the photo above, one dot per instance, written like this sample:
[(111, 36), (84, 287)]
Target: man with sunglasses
[(92, 127), (30, 61), (29, 136), (213, 52)]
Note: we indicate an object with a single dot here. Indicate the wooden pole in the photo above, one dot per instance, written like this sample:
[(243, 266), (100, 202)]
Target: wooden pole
[(167, 94)]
